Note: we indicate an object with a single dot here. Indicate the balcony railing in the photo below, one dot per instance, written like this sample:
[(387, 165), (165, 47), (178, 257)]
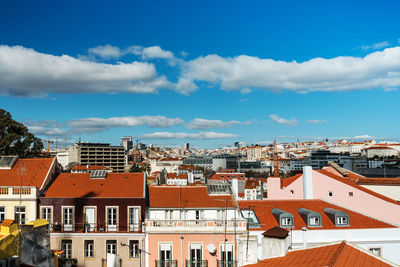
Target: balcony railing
[(95, 228), (227, 263), (166, 263), (14, 191), (196, 263), (194, 225)]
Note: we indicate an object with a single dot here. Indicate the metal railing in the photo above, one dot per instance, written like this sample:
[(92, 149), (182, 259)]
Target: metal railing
[(92, 227), (227, 263), (166, 263), (196, 263)]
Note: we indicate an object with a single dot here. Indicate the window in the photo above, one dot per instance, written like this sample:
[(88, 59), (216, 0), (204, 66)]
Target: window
[(227, 252), (133, 248), (112, 219), (286, 221), (330, 193), (195, 254), (350, 194), (341, 220), (68, 218), (168, 214), (2, 213), (291, 192), (89, 248), (375, 251), (184, 215), (20, 214), (66, 245), (46, 213), (220, 214), (314, 221), (165, 253), (133, 219), (199, 214), (111, 246)]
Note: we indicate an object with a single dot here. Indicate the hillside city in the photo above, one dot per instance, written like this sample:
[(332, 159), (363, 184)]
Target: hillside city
[(95, 204)]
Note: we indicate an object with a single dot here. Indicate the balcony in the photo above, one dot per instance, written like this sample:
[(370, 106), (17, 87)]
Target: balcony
[(12, 192), (196, 263), (93, 228), (158, 226), (227, 263), (166, 263)]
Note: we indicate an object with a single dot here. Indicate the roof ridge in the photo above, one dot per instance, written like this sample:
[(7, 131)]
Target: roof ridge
[(337, 254)]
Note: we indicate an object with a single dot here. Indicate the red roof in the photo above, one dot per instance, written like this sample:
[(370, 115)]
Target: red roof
[(263, 210), (340, 254), (85, 167), (7, 222), (188, 167), (186, 197), (251, 184), (173, 175), (287, 181), (378, 181), (35, 172), (228, 176), (80, 185)]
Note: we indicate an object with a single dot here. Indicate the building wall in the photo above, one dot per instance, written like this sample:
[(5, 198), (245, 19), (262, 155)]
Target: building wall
[(30, 208), (292, 191), (99, 240), (180, 246), (392, 191)]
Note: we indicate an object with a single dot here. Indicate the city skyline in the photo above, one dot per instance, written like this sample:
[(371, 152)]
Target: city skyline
[(208, 74)]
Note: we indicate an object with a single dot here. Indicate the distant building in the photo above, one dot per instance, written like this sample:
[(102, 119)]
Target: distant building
[(98, 154), (127, 143), (186, 146)]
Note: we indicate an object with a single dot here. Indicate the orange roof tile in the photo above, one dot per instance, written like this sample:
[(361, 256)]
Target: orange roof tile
[(35, 172), (186, 197), (263, 210), (115, 185), (287, 181), (188, 167), (378, 181), (340, 254), (7, 222)]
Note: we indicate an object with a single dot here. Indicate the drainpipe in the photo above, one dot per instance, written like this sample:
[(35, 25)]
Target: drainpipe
[(304, 230), (182, 250)]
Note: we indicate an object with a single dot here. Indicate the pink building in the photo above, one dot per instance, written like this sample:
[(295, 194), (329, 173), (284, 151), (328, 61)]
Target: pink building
[(329, 185), (192, 226)]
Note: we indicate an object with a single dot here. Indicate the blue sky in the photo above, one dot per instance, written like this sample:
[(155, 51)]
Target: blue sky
[(208, 73)]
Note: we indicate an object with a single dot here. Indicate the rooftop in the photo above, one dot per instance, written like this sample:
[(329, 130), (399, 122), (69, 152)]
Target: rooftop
[(186, 197), (263, 210), (80, 185), (339, 254)]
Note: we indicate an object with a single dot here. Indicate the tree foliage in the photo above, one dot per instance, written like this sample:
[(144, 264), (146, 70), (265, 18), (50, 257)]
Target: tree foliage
[(15, 139), (143, 168)]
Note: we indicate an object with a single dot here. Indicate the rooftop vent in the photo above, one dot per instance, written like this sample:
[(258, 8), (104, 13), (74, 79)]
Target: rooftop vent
[(219, 189), (98, 174), (7, 162)]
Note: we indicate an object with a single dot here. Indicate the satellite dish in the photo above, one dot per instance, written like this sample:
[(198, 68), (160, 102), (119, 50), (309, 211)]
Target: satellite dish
[(211, 248)]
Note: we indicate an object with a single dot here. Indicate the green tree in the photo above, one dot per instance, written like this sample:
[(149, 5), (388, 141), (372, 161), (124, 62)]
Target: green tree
[(15, 139), (144, 168)]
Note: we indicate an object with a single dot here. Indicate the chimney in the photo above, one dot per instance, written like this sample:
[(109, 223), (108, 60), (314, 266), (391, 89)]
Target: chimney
[(276, 242), (307, 182)]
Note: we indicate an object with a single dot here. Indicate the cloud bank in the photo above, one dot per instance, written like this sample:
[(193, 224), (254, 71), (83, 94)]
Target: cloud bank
[(277, 119), (182, 135), (202, 124)]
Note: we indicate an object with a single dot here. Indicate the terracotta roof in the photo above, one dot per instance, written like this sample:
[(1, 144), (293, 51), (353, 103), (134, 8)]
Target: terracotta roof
[(340, 254), (35, 172), (377, 147), (173, 175), (251, 184), (186, 197), (353, 184), (80, 185), (263, 210), (276, 231), (7, 222), (379, 181), (85, 167), (224, 176), (287, 181)]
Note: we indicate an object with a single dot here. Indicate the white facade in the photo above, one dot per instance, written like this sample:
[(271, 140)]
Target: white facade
[(63, 157)]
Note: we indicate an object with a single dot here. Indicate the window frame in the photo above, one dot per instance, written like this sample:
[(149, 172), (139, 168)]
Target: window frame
[(2, 213), (18, 220), (67, 241), (379, 249), (111, 242), (134, 251), (42, 213), (110, 227), (285, 219), (133, 227), (86, 246)]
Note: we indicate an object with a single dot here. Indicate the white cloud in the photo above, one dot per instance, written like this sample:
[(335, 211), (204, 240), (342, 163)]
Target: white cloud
[(276, 118), (151, 52), (106, 51), (365, 136), (201, 135), (202, 124), (317, 121), (101, 124), (375, 46), (245, 91), (46, 131), (379, 69), (25, 72)]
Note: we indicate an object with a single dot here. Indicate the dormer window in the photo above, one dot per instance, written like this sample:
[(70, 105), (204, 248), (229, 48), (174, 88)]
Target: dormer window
[(284, 218), (312, 218), (339, 218)]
